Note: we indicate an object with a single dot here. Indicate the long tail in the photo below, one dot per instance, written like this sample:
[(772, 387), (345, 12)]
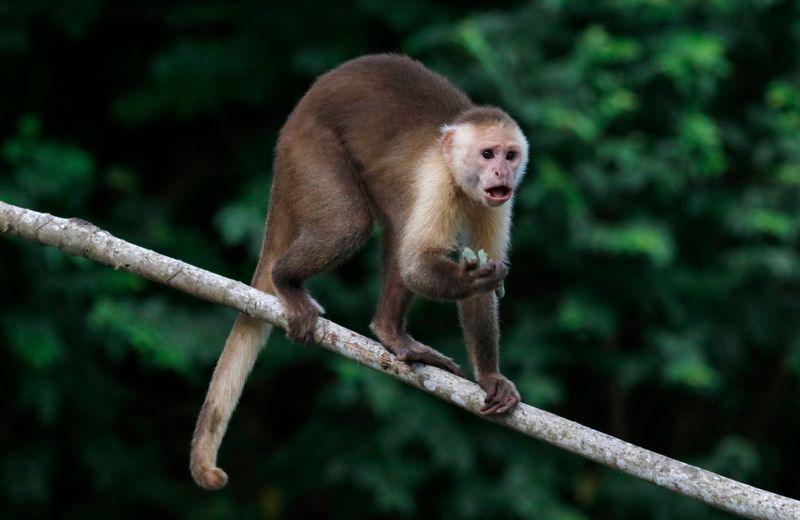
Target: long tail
[(241, 350), (245, 341)]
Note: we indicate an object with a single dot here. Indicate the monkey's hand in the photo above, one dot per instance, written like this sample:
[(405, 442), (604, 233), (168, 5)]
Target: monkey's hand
[(484, 278), (501, 394)]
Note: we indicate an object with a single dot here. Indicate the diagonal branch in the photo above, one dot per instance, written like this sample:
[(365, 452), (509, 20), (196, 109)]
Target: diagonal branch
[(79, 237)]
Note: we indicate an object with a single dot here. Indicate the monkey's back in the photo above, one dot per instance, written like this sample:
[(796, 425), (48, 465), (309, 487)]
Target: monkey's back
[(380, 97), (376, 102)]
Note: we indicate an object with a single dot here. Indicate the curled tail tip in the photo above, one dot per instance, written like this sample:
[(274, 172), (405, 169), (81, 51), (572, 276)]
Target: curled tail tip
[(210, 478)]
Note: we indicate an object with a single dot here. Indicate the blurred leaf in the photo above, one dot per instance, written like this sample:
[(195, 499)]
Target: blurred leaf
[(734, 457), (579, 313), (33, 340), (694, 61), (599, 46), (47, 170), (26, 474), (162, 335), (40, 394), (634, 238), (242, 222), (684, 363), (701, 136)]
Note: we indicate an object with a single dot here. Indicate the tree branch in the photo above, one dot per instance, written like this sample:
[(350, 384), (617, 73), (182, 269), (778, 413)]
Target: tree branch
[(82, 238)]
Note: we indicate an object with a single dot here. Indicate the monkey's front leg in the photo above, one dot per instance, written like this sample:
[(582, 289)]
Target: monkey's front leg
[(478, 316)]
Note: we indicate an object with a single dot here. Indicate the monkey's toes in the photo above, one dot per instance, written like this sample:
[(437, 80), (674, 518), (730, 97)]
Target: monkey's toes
[(210, 478), (430, 357), (449, 365), (301, 328)]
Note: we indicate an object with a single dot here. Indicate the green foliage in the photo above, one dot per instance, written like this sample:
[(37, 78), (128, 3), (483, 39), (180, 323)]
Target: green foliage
[(653, 292), (45, 170)]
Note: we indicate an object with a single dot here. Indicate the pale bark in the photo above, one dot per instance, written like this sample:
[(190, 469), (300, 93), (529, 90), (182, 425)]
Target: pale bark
[(79, 237)]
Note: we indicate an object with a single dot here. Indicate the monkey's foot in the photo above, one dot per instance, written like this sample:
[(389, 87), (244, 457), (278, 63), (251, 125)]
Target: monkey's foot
[(210, 478), (501, 394), (410, 351), (302, 322)]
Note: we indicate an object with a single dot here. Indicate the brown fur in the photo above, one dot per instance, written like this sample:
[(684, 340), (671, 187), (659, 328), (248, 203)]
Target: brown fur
[(365, 144), (485, 116)]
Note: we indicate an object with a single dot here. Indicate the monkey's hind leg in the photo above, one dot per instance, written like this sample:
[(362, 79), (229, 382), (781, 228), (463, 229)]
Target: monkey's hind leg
[(311, 253), (389, 323), (329, 214)]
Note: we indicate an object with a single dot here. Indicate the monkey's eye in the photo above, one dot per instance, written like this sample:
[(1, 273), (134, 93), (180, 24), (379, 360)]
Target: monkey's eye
[(510, 156), (487, 154)]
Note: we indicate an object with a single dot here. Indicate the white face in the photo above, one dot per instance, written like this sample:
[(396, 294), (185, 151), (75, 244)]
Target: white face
[(487, 161)]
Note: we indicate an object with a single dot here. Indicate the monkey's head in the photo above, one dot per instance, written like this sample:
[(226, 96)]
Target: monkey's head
[(487, 154)]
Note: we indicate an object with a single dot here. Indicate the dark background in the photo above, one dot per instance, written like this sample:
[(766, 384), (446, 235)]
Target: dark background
[(654, 291)]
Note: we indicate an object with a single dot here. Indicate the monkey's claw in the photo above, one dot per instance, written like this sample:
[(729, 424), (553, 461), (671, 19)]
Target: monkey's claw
[(501, 394)]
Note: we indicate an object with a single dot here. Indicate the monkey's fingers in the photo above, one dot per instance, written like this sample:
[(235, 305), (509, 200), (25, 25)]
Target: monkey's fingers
[(489, 409), (485, 270), (491, 269), (510, 402), (494, 401), (486, 284), (489, 277), (471, 265), (490, 387), (501, 395), (505, 398), (497, 268)]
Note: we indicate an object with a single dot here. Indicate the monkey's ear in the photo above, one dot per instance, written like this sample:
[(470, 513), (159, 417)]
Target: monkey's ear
[(446, 143)]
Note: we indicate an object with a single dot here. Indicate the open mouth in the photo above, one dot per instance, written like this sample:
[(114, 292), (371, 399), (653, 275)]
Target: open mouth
[(498, 194)]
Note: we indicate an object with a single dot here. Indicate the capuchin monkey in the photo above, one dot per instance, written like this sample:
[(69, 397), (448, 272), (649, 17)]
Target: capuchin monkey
[(382, 138)]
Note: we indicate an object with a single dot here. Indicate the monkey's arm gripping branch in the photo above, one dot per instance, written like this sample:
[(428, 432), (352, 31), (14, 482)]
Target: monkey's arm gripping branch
[(79, 237)]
